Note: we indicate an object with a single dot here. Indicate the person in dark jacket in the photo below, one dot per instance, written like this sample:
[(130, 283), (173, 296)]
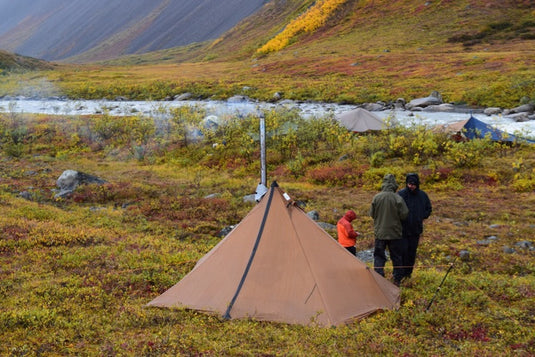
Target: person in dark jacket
[(388, 210), (419, 209)]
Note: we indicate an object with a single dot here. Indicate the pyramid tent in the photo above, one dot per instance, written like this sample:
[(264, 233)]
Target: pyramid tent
[(360, 120), (278, 265)]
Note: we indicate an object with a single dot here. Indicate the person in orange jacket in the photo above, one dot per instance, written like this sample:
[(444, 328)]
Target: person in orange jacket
[(347, 236)]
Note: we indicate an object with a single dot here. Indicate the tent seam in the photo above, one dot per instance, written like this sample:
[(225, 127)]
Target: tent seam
[(251, 257)]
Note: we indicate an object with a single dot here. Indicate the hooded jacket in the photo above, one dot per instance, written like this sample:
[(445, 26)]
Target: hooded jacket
[(346, 234), (388, 210), (419, 207)]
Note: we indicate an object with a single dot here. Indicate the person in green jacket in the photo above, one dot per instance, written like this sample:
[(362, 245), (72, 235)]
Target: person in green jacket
[(388, 209)]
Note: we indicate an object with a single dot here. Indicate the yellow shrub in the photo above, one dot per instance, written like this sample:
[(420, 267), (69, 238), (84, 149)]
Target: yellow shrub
[(312, 19)]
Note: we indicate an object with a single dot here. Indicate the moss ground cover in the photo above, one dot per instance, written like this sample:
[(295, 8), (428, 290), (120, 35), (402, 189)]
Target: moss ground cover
[(77, 272)]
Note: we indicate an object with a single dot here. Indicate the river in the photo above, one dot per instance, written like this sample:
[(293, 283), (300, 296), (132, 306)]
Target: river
[(222, 108)]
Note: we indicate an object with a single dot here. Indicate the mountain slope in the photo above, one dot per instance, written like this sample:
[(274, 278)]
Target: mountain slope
[(59, 29), (10, 62), (479, 52)]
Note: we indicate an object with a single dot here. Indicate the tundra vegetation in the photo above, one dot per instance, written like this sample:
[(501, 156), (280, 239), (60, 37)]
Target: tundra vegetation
[(76, 272)]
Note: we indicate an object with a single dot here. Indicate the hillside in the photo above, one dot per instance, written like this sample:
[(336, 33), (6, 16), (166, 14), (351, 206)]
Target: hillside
[(373, 27), (95, 30), (473, 52), (10, 62)]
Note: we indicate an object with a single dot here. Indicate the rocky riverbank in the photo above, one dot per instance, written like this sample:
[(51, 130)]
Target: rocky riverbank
[(431, 110)]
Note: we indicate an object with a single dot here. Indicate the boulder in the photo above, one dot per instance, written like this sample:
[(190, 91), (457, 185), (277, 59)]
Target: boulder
[(508, 250), (211, 122), (492, 111), (373, 107), (520, 117), (71, 179), (314, 215), (400, 103), (238, 99), (183, 96), (525, 108), (366, 255), (434, 99), (524, 244), (444, 107), (326, 226)]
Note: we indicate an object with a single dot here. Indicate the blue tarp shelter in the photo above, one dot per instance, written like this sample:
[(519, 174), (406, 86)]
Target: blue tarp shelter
[(474, 128)]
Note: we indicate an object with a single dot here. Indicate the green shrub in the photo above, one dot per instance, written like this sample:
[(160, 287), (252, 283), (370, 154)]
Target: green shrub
[(377, 159), (416, 143), (373, 178), (468, 153)]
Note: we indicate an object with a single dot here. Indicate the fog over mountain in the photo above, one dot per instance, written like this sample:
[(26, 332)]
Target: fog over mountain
[(103, 29)]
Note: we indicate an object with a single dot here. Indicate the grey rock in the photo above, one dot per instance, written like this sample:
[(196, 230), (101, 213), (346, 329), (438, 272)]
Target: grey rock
[(211, 122), (238, 99), (365, 255), (71, 179), (524, 244), (520, 117), (434, 99), (26, 195), (326, 226), (314, 215), (445, 107), (373, 107), (525, 108), (225, 231), (492, 111), (508, 250), (183, 96), (484, 242), (464, 255)]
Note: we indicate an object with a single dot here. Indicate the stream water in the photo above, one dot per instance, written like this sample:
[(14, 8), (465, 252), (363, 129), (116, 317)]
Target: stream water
[(222, 108)]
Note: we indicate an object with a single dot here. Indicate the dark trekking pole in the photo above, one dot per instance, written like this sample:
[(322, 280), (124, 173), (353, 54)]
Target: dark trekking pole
[(440, 286)]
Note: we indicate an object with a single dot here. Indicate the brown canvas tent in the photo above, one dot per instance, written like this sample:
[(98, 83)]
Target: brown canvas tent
[(278, 265), (360, 120)]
